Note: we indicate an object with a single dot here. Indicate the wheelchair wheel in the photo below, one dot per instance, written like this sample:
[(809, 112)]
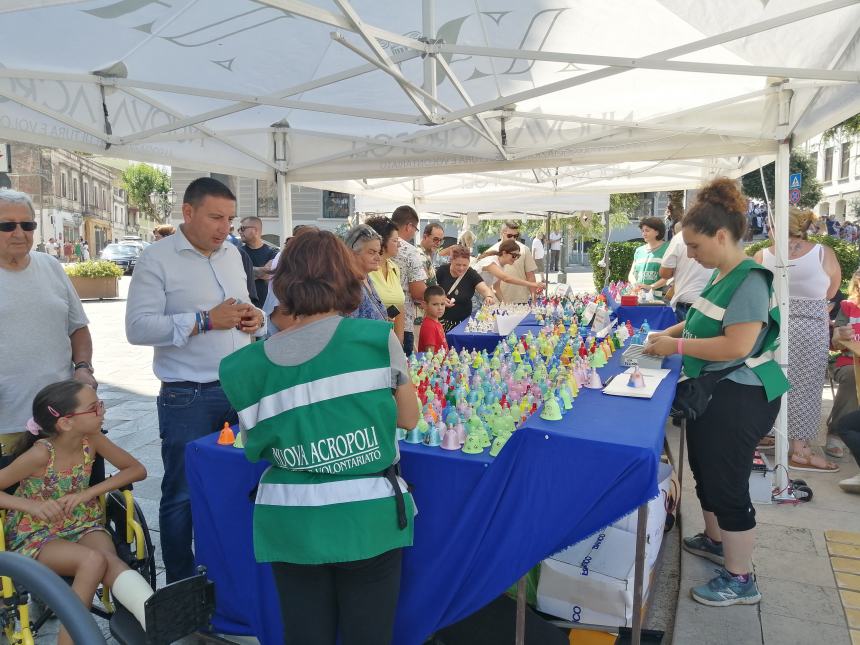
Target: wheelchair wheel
[(115, 514)]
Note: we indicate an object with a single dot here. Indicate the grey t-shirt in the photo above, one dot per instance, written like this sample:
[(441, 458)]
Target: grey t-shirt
[(39, 310), (293, 347), (749, 304)]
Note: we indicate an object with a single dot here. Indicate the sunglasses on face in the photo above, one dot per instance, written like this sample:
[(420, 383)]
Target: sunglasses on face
[(512, 236), (96, 408), (8, 227), (246, 228), (515, 256)]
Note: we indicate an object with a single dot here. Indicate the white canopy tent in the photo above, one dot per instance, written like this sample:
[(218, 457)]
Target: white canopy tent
[(596, 96)]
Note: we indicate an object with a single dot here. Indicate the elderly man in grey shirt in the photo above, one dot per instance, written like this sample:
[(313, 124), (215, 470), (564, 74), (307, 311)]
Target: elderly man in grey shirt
[(189, 299)]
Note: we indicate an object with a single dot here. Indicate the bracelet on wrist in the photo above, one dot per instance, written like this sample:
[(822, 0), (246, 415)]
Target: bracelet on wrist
[(681, 345)]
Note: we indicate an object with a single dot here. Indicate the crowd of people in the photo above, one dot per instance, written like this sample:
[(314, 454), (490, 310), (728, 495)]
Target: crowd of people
[(323, 307)]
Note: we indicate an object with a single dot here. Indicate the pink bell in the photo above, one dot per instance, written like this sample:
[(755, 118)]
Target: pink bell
[(461, 433), (450, 441)]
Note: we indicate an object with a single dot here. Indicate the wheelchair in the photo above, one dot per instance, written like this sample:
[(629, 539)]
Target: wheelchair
[(173, 612)]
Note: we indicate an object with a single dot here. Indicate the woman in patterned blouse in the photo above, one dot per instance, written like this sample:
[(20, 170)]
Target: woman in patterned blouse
[(367, 246)]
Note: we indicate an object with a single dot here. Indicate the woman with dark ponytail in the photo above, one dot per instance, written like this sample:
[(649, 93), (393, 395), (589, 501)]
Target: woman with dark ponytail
[(733, 328), (55, 516), (321, 402)]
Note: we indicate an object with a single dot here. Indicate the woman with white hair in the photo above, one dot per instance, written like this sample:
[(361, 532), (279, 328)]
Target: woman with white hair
[(45, 338)]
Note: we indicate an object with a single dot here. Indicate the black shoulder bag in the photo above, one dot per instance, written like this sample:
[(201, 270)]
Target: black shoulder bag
[(693, 395)]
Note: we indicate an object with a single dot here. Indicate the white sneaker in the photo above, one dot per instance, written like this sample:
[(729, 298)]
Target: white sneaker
[(851, 485)]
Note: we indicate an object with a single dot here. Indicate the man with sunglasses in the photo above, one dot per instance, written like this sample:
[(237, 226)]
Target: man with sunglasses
[(524, 268), (50, 341)]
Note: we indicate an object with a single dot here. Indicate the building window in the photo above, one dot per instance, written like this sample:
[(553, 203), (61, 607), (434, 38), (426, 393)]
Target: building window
[(335, 205), (63, 184), (813, 161), (104, 199), (75, 188), (85, 193), (828, 164), (846, 158)]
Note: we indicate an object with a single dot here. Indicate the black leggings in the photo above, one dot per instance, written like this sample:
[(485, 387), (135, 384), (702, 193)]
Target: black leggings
[(848, 427), (358, 598), (721, 444)]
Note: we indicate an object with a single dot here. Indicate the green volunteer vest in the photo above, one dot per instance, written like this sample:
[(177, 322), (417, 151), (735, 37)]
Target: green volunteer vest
[(646, 263), (328, 428), (705, 320)]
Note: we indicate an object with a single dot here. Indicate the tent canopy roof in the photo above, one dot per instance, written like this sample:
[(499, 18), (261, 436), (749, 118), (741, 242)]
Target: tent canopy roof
[(604, 95)]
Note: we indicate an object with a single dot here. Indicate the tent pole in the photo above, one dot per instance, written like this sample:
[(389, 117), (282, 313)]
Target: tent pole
[(780, 236), (285, 208), (428, 15), (546, 256)]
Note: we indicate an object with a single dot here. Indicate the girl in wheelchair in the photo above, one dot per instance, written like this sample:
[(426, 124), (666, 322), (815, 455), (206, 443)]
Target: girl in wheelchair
[(54, 514)]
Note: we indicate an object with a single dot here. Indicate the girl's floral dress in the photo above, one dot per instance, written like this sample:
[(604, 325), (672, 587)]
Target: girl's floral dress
[(26, 534)]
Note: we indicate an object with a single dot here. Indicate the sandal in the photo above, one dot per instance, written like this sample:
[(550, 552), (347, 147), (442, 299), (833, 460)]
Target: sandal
[(805, 462), (833, 449), (766, 443)]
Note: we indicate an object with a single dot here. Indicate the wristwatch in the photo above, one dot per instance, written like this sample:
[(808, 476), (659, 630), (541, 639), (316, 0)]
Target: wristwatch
[(84, 365)]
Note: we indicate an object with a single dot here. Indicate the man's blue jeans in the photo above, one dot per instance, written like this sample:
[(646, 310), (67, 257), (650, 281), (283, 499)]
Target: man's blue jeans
[(186, 412)]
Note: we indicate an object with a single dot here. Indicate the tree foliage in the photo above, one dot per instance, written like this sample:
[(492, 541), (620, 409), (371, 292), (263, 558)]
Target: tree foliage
[(850, 127), (140, 180), (810, 191)]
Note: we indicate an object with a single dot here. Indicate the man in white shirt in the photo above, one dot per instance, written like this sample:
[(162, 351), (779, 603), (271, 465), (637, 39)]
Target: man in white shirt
[(554, 249), (189, 300), (538, 251), (689, 277), (413, 273), (523, 268)]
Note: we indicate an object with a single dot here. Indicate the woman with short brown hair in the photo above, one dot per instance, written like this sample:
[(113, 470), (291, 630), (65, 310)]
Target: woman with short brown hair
[(321, 401), (460, 284)]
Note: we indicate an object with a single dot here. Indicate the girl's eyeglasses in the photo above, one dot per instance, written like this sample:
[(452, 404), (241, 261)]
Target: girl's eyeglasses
[(96, 408)]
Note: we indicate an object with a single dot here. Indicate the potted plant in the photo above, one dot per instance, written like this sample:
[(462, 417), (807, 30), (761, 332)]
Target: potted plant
[(94, 278)]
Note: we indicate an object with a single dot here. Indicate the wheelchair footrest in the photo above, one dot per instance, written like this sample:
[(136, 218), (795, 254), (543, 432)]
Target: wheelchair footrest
[(179, 609)]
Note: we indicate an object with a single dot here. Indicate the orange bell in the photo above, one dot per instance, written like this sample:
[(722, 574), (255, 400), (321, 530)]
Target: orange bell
[(226, 438)]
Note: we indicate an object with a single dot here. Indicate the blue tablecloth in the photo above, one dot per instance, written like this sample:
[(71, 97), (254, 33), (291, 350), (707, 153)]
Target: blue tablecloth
[(482, 522), (459, 338), (658, 316)]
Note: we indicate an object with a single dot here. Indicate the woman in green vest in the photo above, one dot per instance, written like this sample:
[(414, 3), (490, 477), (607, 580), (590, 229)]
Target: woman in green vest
[(645, 270), (734, 323), (321, 401)]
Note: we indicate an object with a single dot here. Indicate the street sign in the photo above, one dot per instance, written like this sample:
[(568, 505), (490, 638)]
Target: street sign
[(794, 196), (795, 181)]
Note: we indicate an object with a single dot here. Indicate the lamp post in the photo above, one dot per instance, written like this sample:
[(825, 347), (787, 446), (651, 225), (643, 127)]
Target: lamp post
[(162, 203)]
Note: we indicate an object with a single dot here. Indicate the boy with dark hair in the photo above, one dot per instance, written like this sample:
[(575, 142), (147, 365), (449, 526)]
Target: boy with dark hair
[(432, 334)]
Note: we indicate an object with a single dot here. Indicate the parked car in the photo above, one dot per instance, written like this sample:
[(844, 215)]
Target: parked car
[(123, 254)]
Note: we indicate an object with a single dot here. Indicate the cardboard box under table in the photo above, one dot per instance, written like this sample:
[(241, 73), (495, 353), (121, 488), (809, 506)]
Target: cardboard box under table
[(482, 522)]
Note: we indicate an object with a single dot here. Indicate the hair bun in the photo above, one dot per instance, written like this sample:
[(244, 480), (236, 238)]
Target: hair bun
[(724, 192)]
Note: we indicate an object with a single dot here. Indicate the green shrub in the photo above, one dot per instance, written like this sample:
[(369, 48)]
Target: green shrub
[(620, 260), (847, 253), (482, 247), (93, 269)]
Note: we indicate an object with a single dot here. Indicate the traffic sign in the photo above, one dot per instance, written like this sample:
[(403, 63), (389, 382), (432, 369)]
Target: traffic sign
[(795, 180), (794, 195)]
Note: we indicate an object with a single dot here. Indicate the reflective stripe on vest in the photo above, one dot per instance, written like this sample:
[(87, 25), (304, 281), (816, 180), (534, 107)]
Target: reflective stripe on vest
[(323, 389), (328, 493), (709, 309), (754, 361)]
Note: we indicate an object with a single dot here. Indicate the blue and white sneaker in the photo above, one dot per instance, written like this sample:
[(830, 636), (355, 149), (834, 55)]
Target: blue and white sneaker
[(703, 546), (726, 590)]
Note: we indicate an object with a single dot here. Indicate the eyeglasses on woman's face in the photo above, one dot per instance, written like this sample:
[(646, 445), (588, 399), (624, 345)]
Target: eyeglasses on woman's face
[(8, 227), (515, 256)]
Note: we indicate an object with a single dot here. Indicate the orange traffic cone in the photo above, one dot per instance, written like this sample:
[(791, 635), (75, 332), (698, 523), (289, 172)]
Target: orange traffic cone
[(226, 438)]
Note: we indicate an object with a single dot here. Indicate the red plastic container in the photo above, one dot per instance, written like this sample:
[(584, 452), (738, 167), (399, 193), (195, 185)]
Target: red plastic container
[(629, 301)]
